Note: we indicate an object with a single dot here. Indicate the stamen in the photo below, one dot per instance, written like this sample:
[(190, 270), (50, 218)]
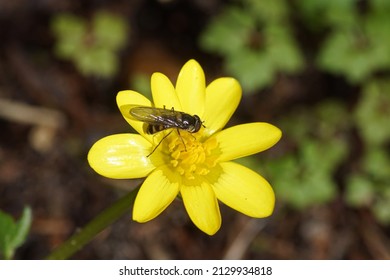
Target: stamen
[(189, 156)]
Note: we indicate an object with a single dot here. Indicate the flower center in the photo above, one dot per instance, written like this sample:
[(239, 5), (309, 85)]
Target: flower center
[(189, 156)]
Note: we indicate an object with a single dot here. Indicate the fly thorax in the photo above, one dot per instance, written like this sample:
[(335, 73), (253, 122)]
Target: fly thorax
[(190, 157)]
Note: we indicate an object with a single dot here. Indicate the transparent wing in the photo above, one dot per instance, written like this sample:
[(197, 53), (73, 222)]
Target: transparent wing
[(153, 116)]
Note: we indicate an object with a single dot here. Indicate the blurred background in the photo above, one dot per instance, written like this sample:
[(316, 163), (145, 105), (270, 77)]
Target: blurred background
[(319, 70)]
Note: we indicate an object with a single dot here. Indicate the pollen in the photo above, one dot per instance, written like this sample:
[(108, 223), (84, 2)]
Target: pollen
[(191, 157)]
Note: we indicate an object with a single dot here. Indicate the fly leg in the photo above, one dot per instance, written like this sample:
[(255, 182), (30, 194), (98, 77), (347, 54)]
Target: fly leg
[(159, 143), (181, 138)]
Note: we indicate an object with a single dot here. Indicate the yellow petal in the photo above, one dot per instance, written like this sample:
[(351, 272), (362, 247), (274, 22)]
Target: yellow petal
[(222, 98), (202, 207), (164, 93), (130, 97), (190, 87), (156, 193), (246, 139), (122, 156), (243, 190)]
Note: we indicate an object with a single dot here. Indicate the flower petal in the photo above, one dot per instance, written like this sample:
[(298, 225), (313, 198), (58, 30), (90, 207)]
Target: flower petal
[(129, 97), (122, 156), (164, 93), (155, 195), (243, 190), (190, 87), (222, 98), (246, 139), (202, 207)]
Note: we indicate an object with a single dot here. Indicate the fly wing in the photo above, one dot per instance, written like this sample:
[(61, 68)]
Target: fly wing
[(153, 116)]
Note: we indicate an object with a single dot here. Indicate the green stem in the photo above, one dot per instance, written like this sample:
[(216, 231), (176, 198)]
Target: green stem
[(100, 222)]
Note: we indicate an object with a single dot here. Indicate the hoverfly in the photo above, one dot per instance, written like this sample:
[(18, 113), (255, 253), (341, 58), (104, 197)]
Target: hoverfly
[(159, 119)]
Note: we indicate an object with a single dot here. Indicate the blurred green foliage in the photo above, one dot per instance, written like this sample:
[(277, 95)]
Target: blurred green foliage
[(332, 149), (320, 145), (91, 46), (255, 39), (305, 176), (357, 44), (372, 113), (13, 233), (140, 82), (369, 183)]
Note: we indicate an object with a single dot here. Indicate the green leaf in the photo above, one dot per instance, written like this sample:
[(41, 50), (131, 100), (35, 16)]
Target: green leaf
[(328, 13), (341, 13), (347, 54), (360, 191), (358, 44), (300, 181), (140, 82), (98, 61), (70, 32), (335, 53), (228, 32), (268, 11), (372, 113), (305, 176), (376, 25), (253, 69), (382, 210), (110, 30), (13, 234), (282, 50), (333, 119), (380, 5), (376, 162), (92, 48)]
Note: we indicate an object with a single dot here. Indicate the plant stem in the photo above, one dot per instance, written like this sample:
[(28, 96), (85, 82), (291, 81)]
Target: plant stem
[(100, 222)]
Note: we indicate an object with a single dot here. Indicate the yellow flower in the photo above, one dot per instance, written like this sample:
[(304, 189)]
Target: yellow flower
[(196, 166)]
